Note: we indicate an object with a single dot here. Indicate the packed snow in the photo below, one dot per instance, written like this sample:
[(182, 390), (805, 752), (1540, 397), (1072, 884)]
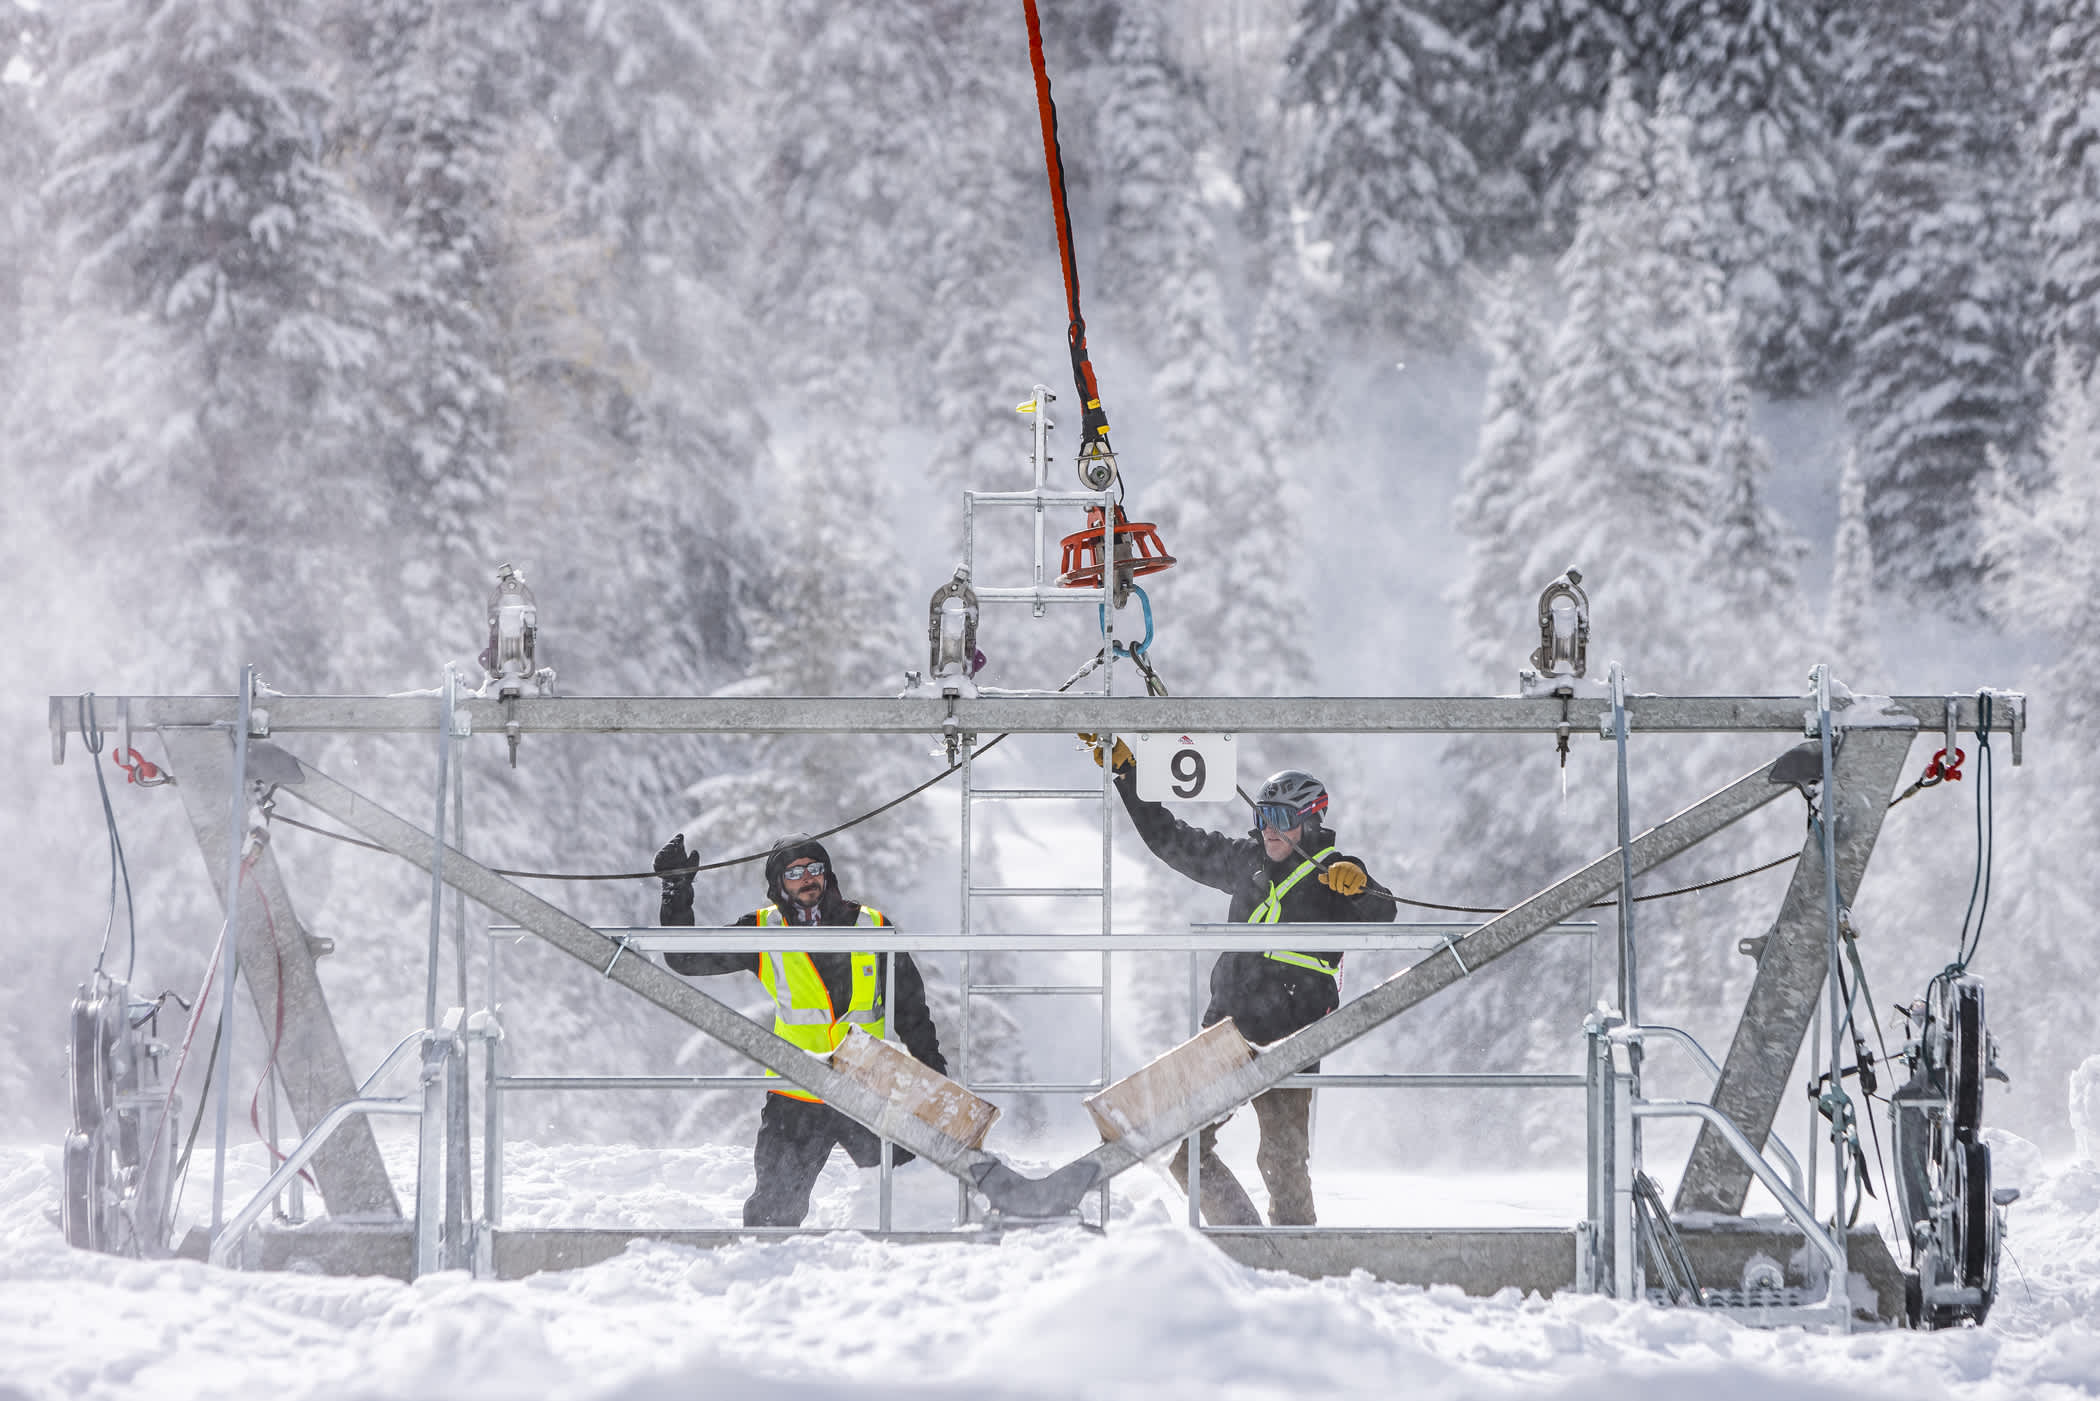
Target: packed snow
[(1144, 1310)]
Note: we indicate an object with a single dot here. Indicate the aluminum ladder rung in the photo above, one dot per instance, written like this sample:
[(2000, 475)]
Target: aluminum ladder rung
[(1009, 794), (983, 892), (1002, 1087), (1038, 989)]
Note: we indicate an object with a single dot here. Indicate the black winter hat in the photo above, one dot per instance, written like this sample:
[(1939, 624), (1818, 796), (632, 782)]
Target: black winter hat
[(797, 846)]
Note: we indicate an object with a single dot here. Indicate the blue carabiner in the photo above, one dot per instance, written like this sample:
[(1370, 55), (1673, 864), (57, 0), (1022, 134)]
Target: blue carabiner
[(1135, 650)]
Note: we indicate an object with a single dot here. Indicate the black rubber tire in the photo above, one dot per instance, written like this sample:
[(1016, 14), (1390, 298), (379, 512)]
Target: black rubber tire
[(77, 1202), (92, 1094), (1976, 1233), (1913, 1299), (1966, 1054)]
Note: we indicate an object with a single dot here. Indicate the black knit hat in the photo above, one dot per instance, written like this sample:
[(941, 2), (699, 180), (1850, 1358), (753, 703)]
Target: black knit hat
[(797, 846)]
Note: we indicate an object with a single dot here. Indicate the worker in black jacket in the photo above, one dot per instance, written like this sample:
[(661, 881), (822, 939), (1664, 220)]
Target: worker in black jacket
[(817, 999), (1285, 871)]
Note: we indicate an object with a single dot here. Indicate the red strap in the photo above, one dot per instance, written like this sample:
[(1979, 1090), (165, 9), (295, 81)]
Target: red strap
[(1095, 419)]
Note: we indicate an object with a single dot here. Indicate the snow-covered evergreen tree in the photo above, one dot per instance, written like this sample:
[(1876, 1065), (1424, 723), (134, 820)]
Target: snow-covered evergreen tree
[(428, 133), (2042, 575), (1751, 577), (622, 339), (1849, 619), (1937, 282), (1385, 179), (194, 198), (24, 146), (1629, 405), (1757, 76), (1492, 595), (1230, 506), (992, 265), (1640, 468), (1538, 120), (2065, 139)]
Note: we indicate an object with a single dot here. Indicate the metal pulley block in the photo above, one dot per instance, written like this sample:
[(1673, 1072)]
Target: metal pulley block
[(1564, 630), (951, 630), (514, 627), (1562, 656), (1097, 466), (508, 660)]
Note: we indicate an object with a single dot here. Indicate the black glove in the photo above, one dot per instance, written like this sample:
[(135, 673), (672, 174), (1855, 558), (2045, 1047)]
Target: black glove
[(674, 867)]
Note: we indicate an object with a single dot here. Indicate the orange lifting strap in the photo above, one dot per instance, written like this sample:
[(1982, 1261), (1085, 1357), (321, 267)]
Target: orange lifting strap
[(1138, 552)]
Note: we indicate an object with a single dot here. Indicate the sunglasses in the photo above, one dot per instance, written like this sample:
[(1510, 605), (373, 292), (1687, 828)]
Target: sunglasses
[(803, 868), (1282, 816)]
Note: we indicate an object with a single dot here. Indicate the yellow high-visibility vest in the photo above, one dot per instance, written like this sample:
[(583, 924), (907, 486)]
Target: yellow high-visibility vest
[(1271, 909), (802, 1012)]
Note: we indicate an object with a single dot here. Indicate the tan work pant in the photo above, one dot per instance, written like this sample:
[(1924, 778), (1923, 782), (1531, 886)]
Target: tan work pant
[(1285, 1160)]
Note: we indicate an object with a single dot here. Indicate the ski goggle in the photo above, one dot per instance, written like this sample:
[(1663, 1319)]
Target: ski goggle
[(801, 869), (1281, 816)]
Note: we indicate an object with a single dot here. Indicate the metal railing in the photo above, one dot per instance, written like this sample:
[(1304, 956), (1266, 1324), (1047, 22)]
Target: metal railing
[(641, 941), (226, 1244)]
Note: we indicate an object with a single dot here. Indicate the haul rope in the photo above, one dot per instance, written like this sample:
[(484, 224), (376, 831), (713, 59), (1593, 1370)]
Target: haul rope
[(119, 868), (1980, 889), (1093, 429)]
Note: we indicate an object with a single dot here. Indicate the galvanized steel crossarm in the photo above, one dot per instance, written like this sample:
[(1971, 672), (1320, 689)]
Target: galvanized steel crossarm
[(1440, 970), (1054, 714), (655, 984)]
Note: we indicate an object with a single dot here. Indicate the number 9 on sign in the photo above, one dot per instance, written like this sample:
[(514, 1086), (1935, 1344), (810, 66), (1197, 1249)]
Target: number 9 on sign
[(1185, 768)]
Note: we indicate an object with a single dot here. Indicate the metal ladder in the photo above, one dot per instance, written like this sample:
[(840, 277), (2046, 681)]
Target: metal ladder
[(1038, 595)]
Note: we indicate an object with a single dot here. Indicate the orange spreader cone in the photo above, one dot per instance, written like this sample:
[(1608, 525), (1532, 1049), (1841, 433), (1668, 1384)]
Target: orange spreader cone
[(1139, 552)]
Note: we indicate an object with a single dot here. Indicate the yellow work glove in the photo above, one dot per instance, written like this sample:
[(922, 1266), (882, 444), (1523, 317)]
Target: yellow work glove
[(1123, 757), (1345, 878)]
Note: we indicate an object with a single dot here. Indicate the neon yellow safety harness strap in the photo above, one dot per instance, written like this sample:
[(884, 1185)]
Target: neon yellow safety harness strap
[(803, 1015), (1270, 910)]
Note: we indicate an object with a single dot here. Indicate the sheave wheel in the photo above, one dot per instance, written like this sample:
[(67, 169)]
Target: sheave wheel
[(1966, 1057), (77, 1206), (92, 1092)]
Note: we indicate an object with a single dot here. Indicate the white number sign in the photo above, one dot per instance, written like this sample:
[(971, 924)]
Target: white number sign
[(1186, 768)]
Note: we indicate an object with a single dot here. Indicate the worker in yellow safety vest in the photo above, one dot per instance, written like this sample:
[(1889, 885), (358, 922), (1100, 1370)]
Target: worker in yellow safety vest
[(817, 999), (1287, 870)]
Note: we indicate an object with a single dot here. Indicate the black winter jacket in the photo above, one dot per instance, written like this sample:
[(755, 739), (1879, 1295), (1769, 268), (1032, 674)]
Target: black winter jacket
[(909, 1020), (1266, 999)]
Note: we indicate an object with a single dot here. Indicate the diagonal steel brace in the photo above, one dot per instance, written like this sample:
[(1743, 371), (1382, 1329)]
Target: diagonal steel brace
[(1440, 970), (1794, 968), (277, 963), (652, 982)]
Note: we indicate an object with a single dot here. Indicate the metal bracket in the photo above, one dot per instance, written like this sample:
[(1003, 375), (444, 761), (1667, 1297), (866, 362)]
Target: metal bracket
[(1052, 1198)]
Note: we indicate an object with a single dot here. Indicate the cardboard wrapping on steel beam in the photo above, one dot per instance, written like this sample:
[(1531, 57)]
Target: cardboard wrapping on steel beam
[(1153, 1091), (915, 1089)]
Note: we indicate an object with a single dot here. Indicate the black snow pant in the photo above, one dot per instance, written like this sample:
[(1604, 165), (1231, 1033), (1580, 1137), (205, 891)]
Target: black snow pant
[(1285, 1158), (795, 1139)]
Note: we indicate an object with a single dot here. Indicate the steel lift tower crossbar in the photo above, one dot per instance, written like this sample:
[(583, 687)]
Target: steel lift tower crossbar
[(1045, 713)]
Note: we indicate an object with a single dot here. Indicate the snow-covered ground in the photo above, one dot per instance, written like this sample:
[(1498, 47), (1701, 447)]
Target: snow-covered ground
[(1148, 1310)]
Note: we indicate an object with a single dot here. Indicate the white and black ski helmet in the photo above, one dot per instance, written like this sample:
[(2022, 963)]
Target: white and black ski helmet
[(1297, 789)]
